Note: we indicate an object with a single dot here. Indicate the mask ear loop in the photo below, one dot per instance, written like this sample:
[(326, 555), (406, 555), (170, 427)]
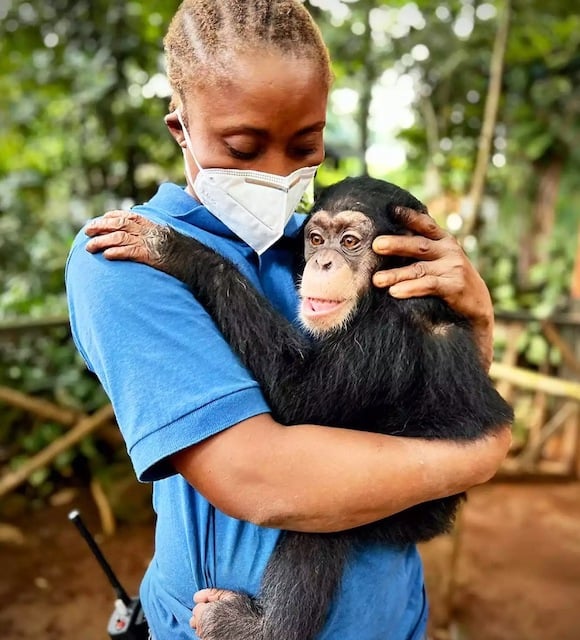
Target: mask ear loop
[(189, 147)]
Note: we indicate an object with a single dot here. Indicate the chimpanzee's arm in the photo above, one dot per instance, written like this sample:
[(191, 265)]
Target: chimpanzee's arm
[(269, 345), (266, 342)]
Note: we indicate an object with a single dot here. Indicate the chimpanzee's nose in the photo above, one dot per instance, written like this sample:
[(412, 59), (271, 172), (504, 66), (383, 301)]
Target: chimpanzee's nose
[(324, 263)]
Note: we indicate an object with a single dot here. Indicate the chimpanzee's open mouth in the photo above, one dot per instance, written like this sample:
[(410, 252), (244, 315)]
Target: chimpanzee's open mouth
[(316, 307)]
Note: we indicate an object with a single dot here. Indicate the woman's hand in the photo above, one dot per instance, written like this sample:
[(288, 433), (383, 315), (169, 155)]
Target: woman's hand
[(442, 270)]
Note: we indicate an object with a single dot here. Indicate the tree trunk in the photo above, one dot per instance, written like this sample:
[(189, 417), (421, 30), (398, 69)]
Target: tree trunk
[(365, 103), (575, 286), (570, 365), (473, 202), (432, 186), (534, 247), (368, 81)]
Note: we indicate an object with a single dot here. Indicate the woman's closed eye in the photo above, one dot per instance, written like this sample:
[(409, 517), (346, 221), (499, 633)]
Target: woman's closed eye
[(242, 154)]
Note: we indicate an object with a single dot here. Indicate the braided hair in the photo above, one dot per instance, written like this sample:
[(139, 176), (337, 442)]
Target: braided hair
[(204, 35)]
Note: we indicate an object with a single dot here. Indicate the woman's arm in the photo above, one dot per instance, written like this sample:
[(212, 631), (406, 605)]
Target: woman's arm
[(320, 479), (443, 270)]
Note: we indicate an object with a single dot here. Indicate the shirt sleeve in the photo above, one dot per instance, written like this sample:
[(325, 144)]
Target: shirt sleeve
[(169, 373)]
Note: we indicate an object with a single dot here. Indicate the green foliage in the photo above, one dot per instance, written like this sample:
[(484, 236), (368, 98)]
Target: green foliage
[(78, 138), (72, 75), (546, 291)]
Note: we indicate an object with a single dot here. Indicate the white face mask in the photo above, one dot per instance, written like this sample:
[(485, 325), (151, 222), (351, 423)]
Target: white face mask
[(255, 205)]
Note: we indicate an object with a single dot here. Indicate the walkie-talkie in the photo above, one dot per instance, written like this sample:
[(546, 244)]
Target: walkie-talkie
[(127, 620)]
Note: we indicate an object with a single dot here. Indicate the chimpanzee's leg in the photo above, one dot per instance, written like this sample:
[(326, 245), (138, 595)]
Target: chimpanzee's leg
[(299, 583)]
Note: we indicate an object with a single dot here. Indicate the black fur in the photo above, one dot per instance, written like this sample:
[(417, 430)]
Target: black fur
[(388, 372)]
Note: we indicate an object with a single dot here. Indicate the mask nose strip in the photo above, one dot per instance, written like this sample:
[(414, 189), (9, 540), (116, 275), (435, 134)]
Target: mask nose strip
[(271, 183)]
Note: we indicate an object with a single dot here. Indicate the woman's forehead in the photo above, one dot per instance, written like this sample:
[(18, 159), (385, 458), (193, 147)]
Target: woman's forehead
[(261, 92)]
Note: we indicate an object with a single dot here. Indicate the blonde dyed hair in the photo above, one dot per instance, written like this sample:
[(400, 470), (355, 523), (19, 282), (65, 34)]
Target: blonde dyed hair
[(204, 34)]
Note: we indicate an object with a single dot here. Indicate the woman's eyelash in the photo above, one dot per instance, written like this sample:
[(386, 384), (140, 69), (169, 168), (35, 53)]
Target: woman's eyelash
[(241, 155), (305, 152), (250, 155)]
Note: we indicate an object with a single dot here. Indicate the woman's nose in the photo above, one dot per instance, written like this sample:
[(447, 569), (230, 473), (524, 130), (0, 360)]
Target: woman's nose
[(278, 164)]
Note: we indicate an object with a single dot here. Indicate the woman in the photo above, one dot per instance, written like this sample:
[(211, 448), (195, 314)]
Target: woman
[(250, 82)]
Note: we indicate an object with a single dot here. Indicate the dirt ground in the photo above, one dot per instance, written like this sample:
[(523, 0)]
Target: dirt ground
[(518, 569)]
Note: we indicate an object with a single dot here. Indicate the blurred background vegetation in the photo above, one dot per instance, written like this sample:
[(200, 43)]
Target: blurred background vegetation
[(82, 100)]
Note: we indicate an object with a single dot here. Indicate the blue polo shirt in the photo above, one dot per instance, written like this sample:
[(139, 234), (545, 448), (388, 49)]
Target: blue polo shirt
[(173, 382)]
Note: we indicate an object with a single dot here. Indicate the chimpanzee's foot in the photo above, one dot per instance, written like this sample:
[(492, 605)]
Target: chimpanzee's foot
[(226, 615)]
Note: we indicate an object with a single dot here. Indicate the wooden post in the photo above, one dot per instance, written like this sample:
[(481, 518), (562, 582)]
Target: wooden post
[(536, 381), (575, 286), (572, 441), (82, 429), (38, 406), (510, 357)]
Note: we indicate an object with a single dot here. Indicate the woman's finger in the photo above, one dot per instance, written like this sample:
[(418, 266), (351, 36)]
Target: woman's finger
[(448, 268), (391, 277), (421, 223), (407, 247), (426, 286), (418, 247)]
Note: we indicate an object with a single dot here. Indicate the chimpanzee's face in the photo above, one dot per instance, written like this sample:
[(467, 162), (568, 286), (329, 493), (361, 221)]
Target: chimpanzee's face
[(340, 262)]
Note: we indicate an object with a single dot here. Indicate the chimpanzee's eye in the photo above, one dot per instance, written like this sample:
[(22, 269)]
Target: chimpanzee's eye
[(316, 239), (350, 242)]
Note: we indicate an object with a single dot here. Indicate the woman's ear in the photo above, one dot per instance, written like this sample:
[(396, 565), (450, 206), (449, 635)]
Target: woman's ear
[(175, 128)]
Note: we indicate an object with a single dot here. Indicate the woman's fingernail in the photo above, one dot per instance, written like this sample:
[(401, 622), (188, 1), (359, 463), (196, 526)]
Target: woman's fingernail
[(394, 291)]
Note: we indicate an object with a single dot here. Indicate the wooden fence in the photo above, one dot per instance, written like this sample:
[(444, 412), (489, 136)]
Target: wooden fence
[(546, 401)]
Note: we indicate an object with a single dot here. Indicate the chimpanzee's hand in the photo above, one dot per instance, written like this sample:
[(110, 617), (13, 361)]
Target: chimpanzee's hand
[(204, 602), (122, 235), (442, 270), (226, 615)]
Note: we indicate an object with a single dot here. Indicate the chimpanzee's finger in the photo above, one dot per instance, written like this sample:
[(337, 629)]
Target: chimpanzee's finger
[(118, 220), (211, 595), (114, 213), (134, 253), (421, 223), (196, 616), (206, 598), (107, 239), (120, 245)]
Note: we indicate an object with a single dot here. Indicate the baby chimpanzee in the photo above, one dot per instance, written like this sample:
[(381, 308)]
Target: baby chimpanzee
[(366, 361)]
